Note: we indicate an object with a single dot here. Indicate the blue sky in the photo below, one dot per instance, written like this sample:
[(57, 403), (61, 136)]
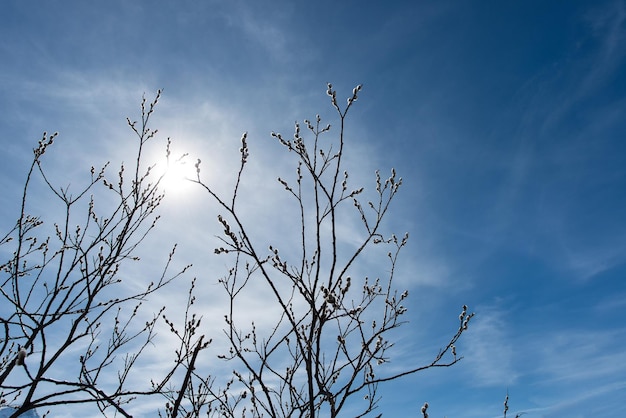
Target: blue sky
[(504, 118)]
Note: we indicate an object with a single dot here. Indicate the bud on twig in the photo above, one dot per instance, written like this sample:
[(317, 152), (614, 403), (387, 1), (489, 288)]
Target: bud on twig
[(21, 355)]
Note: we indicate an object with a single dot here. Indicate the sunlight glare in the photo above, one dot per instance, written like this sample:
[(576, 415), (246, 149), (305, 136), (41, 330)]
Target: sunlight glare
[(176, 176)]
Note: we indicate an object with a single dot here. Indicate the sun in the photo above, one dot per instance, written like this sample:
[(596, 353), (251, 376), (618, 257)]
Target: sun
[(176, 176)]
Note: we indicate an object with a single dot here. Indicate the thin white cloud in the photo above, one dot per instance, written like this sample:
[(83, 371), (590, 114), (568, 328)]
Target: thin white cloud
[(586, 263), (579, 355), (490, 353), (607, 26)]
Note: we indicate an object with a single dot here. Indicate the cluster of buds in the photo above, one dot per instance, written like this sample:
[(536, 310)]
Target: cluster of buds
[(355, 311), (309, 124), (425, 410), (284, 184), (333, 297), (369, 373), (464, 317), (344, 289), (506, 404), (244, 148), (379, 343), (228, 232), (315, 129), (355, 92), (286, 143), (152, 104), (298, 141), (44, 143), (333, 94), (344, 183), (277, 262), (374, 289), (330, 298), (393, 182), (395, 304)]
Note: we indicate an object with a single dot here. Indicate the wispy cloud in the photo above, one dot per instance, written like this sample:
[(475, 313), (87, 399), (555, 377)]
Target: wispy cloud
[(607, 26), (579, 355), (489, 349)]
